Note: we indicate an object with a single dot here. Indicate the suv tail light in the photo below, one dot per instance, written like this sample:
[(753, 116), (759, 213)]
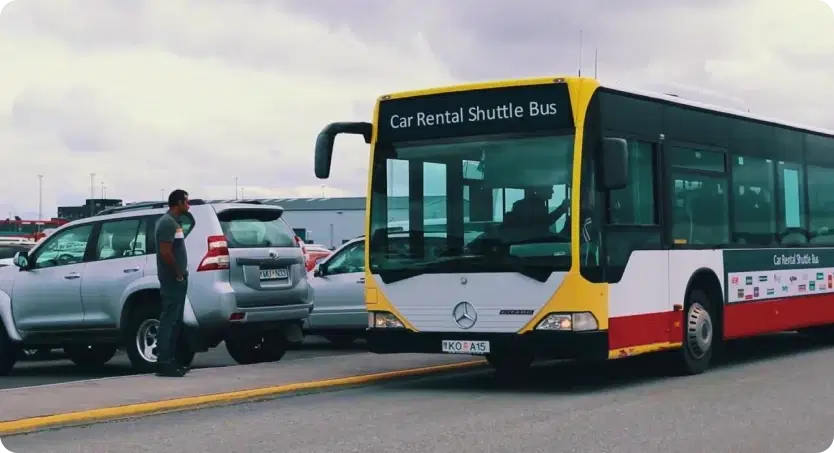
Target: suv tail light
[(217, 256), (303, 252)]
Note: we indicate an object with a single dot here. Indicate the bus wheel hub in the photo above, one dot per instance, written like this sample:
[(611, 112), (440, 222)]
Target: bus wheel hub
[(698, 330)]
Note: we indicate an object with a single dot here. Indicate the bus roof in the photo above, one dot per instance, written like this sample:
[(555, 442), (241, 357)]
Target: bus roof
[(614, 87), (715, 108)]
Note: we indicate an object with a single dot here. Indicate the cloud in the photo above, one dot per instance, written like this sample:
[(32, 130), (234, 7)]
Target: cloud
[(152, 95), (156, 94)]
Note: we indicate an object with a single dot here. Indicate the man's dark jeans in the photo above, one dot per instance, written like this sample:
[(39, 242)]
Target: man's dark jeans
[(170, 320)]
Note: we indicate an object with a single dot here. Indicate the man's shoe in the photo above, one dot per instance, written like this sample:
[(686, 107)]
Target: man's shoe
[(170, 370)]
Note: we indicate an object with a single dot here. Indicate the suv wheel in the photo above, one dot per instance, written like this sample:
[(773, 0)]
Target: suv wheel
[(141, 341), (90, 356), (250, 349), (8, 352)]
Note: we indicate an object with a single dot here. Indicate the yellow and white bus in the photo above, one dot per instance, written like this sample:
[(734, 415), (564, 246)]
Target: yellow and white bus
[(694, 224)]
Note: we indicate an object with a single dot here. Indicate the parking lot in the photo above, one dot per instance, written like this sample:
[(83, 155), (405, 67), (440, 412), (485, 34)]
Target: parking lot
[(771, 395), (58, 369)]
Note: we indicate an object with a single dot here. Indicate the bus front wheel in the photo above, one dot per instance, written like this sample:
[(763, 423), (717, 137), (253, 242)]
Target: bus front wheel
[(507, 362), (699, 334)]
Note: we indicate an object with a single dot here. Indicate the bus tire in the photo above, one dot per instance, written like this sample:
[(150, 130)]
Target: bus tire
[(509, 362), (699, 334)]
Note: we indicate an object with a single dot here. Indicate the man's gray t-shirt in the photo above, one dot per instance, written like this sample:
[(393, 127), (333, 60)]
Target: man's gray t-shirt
[(168, 229)]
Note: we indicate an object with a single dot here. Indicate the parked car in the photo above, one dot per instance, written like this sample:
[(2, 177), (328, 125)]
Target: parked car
[(315, 254), (91, 287), (338, 282)]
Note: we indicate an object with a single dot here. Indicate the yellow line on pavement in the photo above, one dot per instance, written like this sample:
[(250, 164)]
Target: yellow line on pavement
[(133, 410)]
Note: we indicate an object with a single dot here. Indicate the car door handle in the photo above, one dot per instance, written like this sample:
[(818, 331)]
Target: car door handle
[(131, 270), (72, 276), (361, 280)]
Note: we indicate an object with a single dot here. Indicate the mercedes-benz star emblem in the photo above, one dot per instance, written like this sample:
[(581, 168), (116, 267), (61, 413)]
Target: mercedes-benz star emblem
[(272, 254), (465, 315), (463, 280)]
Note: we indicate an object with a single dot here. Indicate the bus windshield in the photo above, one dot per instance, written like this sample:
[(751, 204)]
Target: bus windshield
[(483, 205)]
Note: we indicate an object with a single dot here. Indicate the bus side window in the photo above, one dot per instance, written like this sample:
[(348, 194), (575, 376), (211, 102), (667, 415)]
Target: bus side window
[(635, 204), (821, 198), (632, 206), (754, 212), (792, 227)]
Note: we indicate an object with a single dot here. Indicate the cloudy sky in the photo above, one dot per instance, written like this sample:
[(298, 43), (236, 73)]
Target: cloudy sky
[(153, 94)]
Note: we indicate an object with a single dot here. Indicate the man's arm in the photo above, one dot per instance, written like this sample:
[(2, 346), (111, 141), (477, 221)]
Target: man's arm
[(165, 232), (560, 210)]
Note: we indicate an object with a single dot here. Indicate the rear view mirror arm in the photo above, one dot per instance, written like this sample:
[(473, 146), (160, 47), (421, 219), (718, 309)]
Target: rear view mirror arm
[(326, 138)]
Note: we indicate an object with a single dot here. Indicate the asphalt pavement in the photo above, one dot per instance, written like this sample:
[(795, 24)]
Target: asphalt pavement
[(58, 369), (774, 395)]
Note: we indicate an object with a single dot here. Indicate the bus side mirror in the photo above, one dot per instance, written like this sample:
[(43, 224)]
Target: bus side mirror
[(326, 138), (614, 163)]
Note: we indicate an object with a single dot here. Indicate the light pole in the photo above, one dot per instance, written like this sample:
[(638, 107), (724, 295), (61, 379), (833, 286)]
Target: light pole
[(236, 189), (92, 194), (40, 197)]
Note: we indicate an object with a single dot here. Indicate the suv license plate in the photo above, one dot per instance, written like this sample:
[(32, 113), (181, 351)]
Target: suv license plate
[(273, 274), (465, 347)]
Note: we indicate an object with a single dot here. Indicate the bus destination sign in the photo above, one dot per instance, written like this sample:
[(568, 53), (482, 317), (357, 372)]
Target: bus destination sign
[(506, 110)]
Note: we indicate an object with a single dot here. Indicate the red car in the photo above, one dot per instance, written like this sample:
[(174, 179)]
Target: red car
[(313, 253)]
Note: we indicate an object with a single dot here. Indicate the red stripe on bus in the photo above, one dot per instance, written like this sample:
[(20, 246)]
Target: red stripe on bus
[(644, 329), (777, 315), (740, 320)]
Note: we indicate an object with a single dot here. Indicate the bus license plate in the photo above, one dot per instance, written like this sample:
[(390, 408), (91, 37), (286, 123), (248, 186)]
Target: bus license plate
[(465, 347), (273, 274)]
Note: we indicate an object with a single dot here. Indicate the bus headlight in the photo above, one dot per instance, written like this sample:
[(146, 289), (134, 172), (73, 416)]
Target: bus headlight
[(383, 320), (569, 322)]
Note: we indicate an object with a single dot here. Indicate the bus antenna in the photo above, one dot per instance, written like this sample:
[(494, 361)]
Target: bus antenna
[(596, 60)]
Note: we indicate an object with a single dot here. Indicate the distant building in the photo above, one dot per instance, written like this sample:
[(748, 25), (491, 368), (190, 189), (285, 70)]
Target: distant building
[(333, 221), (90, 208), (32, 229)]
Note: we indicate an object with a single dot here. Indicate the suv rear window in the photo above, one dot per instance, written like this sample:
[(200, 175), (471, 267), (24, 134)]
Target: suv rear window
[(254, 228)]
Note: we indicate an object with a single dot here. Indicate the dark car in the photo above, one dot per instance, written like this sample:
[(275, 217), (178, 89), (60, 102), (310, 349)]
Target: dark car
[(8, 251)]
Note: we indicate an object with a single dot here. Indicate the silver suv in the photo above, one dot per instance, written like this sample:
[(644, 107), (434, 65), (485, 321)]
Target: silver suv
[(91, 287)]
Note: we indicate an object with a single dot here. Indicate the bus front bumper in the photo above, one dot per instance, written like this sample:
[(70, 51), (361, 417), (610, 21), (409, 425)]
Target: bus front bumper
[(542, 344)]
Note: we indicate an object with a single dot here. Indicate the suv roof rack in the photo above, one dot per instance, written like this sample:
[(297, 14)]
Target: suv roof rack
[(143, 205), (164, 204)]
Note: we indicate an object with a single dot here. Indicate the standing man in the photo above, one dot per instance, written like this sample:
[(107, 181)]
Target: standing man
[(172, 270)]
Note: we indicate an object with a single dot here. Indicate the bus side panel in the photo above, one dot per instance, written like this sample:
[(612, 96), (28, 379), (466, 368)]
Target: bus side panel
[(641, 303), (640, 313), (765, 297)]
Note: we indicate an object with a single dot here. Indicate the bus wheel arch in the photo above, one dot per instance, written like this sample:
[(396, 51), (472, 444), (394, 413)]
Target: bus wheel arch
[(703, 321)]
